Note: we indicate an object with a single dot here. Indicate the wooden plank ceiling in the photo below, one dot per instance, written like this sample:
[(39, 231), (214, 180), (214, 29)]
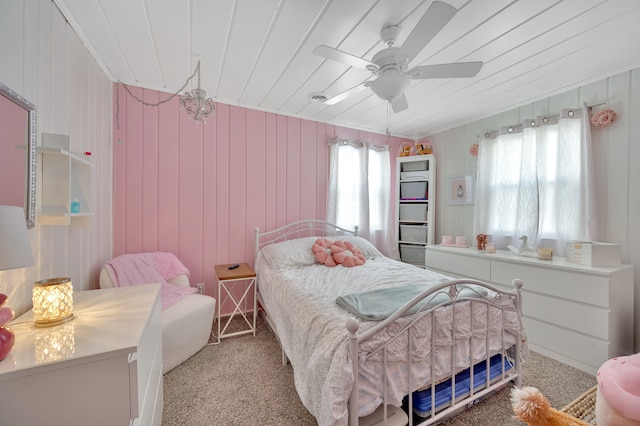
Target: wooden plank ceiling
[(258, 53)]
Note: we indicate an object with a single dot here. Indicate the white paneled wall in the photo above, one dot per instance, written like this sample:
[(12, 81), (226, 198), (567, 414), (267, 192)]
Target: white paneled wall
[(45, 62), (616, 151)]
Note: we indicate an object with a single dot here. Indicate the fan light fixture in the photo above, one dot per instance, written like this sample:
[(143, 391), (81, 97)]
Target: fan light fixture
[(390, 66), (196, 101), (390, 85)]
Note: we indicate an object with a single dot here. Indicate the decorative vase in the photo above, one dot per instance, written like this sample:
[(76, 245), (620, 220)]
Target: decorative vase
[(6, 341), (6, 335)]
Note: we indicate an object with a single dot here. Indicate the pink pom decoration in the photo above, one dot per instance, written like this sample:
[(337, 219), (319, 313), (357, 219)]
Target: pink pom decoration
[(603, 118), (321, 249), (346, 254), (473, 150)]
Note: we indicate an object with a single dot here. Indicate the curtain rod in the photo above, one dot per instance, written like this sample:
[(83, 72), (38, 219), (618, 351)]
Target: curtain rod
[(597, 105), (356, 144), (544, 118)]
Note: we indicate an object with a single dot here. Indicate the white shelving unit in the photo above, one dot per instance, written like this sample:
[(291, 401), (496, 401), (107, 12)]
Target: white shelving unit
[(65, 177), (415, 177)]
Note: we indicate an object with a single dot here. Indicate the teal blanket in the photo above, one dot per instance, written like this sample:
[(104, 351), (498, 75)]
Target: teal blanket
[(376, 305)]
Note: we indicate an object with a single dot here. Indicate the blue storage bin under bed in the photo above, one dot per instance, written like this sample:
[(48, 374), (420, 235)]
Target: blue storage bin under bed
[(422, 399)]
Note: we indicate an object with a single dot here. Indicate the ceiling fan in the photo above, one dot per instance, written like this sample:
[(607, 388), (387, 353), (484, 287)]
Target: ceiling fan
[(390, 66)]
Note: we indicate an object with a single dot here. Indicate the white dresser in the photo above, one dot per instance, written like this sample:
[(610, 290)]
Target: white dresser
[(579, 315), (104, 367)]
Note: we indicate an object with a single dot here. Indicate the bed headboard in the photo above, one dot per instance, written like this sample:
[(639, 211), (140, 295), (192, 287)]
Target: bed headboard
[(299, 229)]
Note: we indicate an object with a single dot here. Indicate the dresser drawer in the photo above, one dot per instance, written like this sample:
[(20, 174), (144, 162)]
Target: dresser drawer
[(586, 319), (591, 289), (576, 348), (459, 265)]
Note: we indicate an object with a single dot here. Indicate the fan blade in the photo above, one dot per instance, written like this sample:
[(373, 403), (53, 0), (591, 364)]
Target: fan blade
[(344, 95), (453, 70), (433, 20), (399, 103), (343, 57)]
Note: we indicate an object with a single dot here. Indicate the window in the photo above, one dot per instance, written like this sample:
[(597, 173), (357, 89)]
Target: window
[(359, 191), (536, 180)]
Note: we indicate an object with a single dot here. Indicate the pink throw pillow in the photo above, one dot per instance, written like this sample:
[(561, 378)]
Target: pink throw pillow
[(347, 254), (322, 251)]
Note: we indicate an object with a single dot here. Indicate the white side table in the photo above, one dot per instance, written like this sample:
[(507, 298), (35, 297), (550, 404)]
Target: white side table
[(228, 280)]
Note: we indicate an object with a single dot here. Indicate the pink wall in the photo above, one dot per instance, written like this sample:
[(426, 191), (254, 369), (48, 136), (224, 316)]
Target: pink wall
[(199, 189)]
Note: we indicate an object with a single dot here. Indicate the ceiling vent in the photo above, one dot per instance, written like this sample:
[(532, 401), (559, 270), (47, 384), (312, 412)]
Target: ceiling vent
[(318, 97)]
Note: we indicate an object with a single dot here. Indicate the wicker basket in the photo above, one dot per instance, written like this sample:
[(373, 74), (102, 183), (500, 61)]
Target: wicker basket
[(584, 407)]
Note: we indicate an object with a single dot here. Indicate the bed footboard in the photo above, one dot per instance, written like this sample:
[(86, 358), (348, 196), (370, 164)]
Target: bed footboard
[(462, 387)]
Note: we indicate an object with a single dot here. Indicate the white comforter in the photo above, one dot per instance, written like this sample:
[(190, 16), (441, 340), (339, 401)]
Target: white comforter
[(300, 298)]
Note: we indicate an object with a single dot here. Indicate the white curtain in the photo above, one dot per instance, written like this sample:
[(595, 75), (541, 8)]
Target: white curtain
[(536, 179), (360, 191)]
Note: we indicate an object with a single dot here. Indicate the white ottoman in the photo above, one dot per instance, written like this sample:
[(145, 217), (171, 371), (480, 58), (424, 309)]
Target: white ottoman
[(186, 325)]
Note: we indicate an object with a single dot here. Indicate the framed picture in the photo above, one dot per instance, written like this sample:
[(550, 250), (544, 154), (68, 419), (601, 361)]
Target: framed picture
[(461, 189)]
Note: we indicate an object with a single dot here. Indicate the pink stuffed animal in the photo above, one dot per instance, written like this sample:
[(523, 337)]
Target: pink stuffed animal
[(345, 253), (533, 408), (321, 249)]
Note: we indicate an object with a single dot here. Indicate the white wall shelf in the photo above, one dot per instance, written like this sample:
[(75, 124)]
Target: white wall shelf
[(66, 176)]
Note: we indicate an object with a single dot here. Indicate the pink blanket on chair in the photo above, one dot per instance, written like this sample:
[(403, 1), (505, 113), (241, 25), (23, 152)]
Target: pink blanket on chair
[(147, 268)]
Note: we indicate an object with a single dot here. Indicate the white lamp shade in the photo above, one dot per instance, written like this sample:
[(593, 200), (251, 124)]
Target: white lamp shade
[(15, 250), (390, 85)]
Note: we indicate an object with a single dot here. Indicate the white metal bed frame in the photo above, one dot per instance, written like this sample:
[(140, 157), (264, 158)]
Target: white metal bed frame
[(299, 229), (293, 230), (387, 414), (457, 404)]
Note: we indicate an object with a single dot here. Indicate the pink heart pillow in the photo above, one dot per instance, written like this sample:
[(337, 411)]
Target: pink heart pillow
[(347, 254), (322, 251)]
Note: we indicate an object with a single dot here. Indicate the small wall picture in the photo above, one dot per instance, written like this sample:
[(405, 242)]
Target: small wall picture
[(461, 189)]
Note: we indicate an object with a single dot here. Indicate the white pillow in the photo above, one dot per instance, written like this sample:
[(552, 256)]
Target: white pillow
[(290, 254), (368, 250)]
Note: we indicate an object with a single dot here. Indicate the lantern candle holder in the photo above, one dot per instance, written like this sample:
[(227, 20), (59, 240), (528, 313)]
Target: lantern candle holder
[(52, 301)]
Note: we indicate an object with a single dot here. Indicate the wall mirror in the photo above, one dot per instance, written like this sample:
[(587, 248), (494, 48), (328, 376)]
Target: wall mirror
[(18, 139)]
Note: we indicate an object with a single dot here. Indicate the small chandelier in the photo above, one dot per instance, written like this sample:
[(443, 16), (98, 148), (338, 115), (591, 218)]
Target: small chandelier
[(196, 102)]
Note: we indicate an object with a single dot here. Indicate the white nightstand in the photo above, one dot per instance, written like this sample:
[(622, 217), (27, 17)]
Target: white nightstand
[(228, 281)]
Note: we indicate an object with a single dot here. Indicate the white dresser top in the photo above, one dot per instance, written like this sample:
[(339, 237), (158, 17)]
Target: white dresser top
[(106, 323), (556, 263)]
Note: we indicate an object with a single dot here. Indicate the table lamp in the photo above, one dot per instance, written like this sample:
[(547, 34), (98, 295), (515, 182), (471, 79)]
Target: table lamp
[(52, 301), (15, 252)]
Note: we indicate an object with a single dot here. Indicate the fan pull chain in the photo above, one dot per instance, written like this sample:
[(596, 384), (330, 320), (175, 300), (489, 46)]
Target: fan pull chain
[(388, 120)]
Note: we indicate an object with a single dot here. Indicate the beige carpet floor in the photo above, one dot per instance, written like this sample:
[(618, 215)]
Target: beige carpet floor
[(241, 381)]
